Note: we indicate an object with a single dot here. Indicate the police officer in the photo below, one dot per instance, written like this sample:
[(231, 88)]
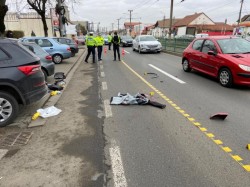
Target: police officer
[(109, 40), (90, 43), (99, 43), (116, 43)]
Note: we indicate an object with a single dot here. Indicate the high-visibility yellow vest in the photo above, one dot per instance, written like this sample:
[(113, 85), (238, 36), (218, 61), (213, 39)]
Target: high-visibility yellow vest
[(99, 41), (90, 41), (109, 38)]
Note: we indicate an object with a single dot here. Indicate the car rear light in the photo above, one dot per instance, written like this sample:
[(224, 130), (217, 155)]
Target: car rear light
[(28, 70), (48, 57), (68, 49)]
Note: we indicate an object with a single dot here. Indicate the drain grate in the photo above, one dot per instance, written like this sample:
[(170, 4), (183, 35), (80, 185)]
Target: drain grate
[(16, 139)]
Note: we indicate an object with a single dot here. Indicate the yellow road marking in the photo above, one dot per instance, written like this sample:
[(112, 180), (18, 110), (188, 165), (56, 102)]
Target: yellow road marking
[(237, 158)]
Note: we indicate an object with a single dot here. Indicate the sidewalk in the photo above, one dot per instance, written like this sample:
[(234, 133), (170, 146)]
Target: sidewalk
[(68, 149)]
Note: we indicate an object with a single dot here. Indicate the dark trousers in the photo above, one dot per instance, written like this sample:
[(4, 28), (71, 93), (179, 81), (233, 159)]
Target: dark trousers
[(91, 49), (109, 45), (99, 49), (116, 49)]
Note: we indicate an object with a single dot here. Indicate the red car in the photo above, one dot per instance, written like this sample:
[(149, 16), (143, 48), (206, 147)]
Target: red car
[(224, 57)]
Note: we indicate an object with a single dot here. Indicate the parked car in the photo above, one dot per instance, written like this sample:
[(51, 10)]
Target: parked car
[(47, 65), (71, 43), (106, 40), (80, 40), (146, 43), (126, 41), (57, 50), (201, 35), (226, 58), (21, 79)]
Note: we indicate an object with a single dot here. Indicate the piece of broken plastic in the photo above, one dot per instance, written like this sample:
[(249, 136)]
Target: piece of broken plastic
[(220, 115), (49, 111)]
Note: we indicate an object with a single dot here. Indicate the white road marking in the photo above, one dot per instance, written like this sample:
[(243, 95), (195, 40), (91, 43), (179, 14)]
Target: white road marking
[(102, 74), (169, 75), (104, 86), (107, 108), (127, 52), (117, 166)]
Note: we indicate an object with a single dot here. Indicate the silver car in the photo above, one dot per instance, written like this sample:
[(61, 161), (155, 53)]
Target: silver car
[(146, 43)]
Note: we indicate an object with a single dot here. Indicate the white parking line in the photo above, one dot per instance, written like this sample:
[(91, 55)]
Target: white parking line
[(102, 74), (107, 108), (104, 86), (169, 75), (117, 166), (127, 52)]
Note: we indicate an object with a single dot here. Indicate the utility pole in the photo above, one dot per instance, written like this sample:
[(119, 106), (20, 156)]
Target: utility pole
[(118, 24), (130, 27), (171, 18), (112, 27), (242, 1)]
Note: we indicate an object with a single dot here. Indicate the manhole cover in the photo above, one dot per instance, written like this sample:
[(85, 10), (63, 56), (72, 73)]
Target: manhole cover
[(16, 139)]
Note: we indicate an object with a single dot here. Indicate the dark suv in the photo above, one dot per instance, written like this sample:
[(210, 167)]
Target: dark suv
[(21, 79)]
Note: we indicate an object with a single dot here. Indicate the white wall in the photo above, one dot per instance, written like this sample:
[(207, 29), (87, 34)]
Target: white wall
[(202, 19), (181, 31)]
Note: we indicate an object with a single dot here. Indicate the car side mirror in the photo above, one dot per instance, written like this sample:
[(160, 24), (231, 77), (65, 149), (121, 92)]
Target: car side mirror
[(212, 53)]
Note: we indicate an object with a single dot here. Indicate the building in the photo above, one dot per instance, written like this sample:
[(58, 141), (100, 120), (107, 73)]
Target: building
[(161, 27), (27, 22), (244, 26), (129, 28)]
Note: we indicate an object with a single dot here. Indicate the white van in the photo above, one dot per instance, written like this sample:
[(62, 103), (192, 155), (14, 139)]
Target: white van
[(202, 35)]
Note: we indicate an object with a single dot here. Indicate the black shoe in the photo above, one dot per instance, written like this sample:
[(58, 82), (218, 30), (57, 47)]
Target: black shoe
[(86, 61), (119, 59), (114, 60), (99, 59)]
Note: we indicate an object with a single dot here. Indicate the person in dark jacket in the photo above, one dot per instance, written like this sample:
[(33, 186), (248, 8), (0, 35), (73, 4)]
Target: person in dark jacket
[(116, 43)]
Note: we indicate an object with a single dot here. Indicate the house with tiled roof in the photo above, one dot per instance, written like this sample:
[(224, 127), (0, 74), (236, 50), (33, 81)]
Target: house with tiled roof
[(130, 26), (244, 26), (161, 27), (188, 25)]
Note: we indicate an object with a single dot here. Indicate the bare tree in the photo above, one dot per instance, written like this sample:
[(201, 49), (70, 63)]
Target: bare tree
[(40, 7), (3, 11)]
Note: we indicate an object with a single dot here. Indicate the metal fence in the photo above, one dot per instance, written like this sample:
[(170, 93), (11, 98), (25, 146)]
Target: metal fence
[(174, 45)]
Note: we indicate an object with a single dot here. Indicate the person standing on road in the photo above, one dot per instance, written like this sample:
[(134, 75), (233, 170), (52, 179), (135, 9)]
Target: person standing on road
[(90, 43), (109, 40), (99, 42), (116, 43)]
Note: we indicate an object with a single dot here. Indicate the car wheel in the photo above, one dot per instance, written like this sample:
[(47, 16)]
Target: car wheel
[(139, 49), (73, 52), (226, 77), (8, 108), (186, 66), (45, 75), (57, 59)]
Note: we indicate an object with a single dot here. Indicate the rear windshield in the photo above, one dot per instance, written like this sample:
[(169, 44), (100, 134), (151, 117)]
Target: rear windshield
[(234, 46)]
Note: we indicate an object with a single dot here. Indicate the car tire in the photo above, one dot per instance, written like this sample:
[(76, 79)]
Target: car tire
[(226, 77), (9, 107), (57, 58), (73, 52), (45, 74), (139, 49), (133, 48), (186, 66)]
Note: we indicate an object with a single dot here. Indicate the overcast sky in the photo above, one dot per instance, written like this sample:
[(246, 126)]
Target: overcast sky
[(149, 11)]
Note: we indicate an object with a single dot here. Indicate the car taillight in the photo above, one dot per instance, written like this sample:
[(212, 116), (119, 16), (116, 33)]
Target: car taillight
[(28, 70), (68, 49), (48, 57)]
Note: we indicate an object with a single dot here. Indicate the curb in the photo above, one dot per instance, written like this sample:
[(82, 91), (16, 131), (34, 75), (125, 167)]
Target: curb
[(52, 100)]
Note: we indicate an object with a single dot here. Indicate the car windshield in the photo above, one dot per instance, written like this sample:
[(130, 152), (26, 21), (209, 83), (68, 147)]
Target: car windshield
[(234, 46), (147, 38), (127, 38)]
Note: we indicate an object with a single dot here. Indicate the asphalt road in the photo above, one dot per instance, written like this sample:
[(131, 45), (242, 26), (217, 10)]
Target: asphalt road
[(179, 145)]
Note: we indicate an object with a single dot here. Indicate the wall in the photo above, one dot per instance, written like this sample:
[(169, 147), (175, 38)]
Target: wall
[(181, 31), (202, 19)]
